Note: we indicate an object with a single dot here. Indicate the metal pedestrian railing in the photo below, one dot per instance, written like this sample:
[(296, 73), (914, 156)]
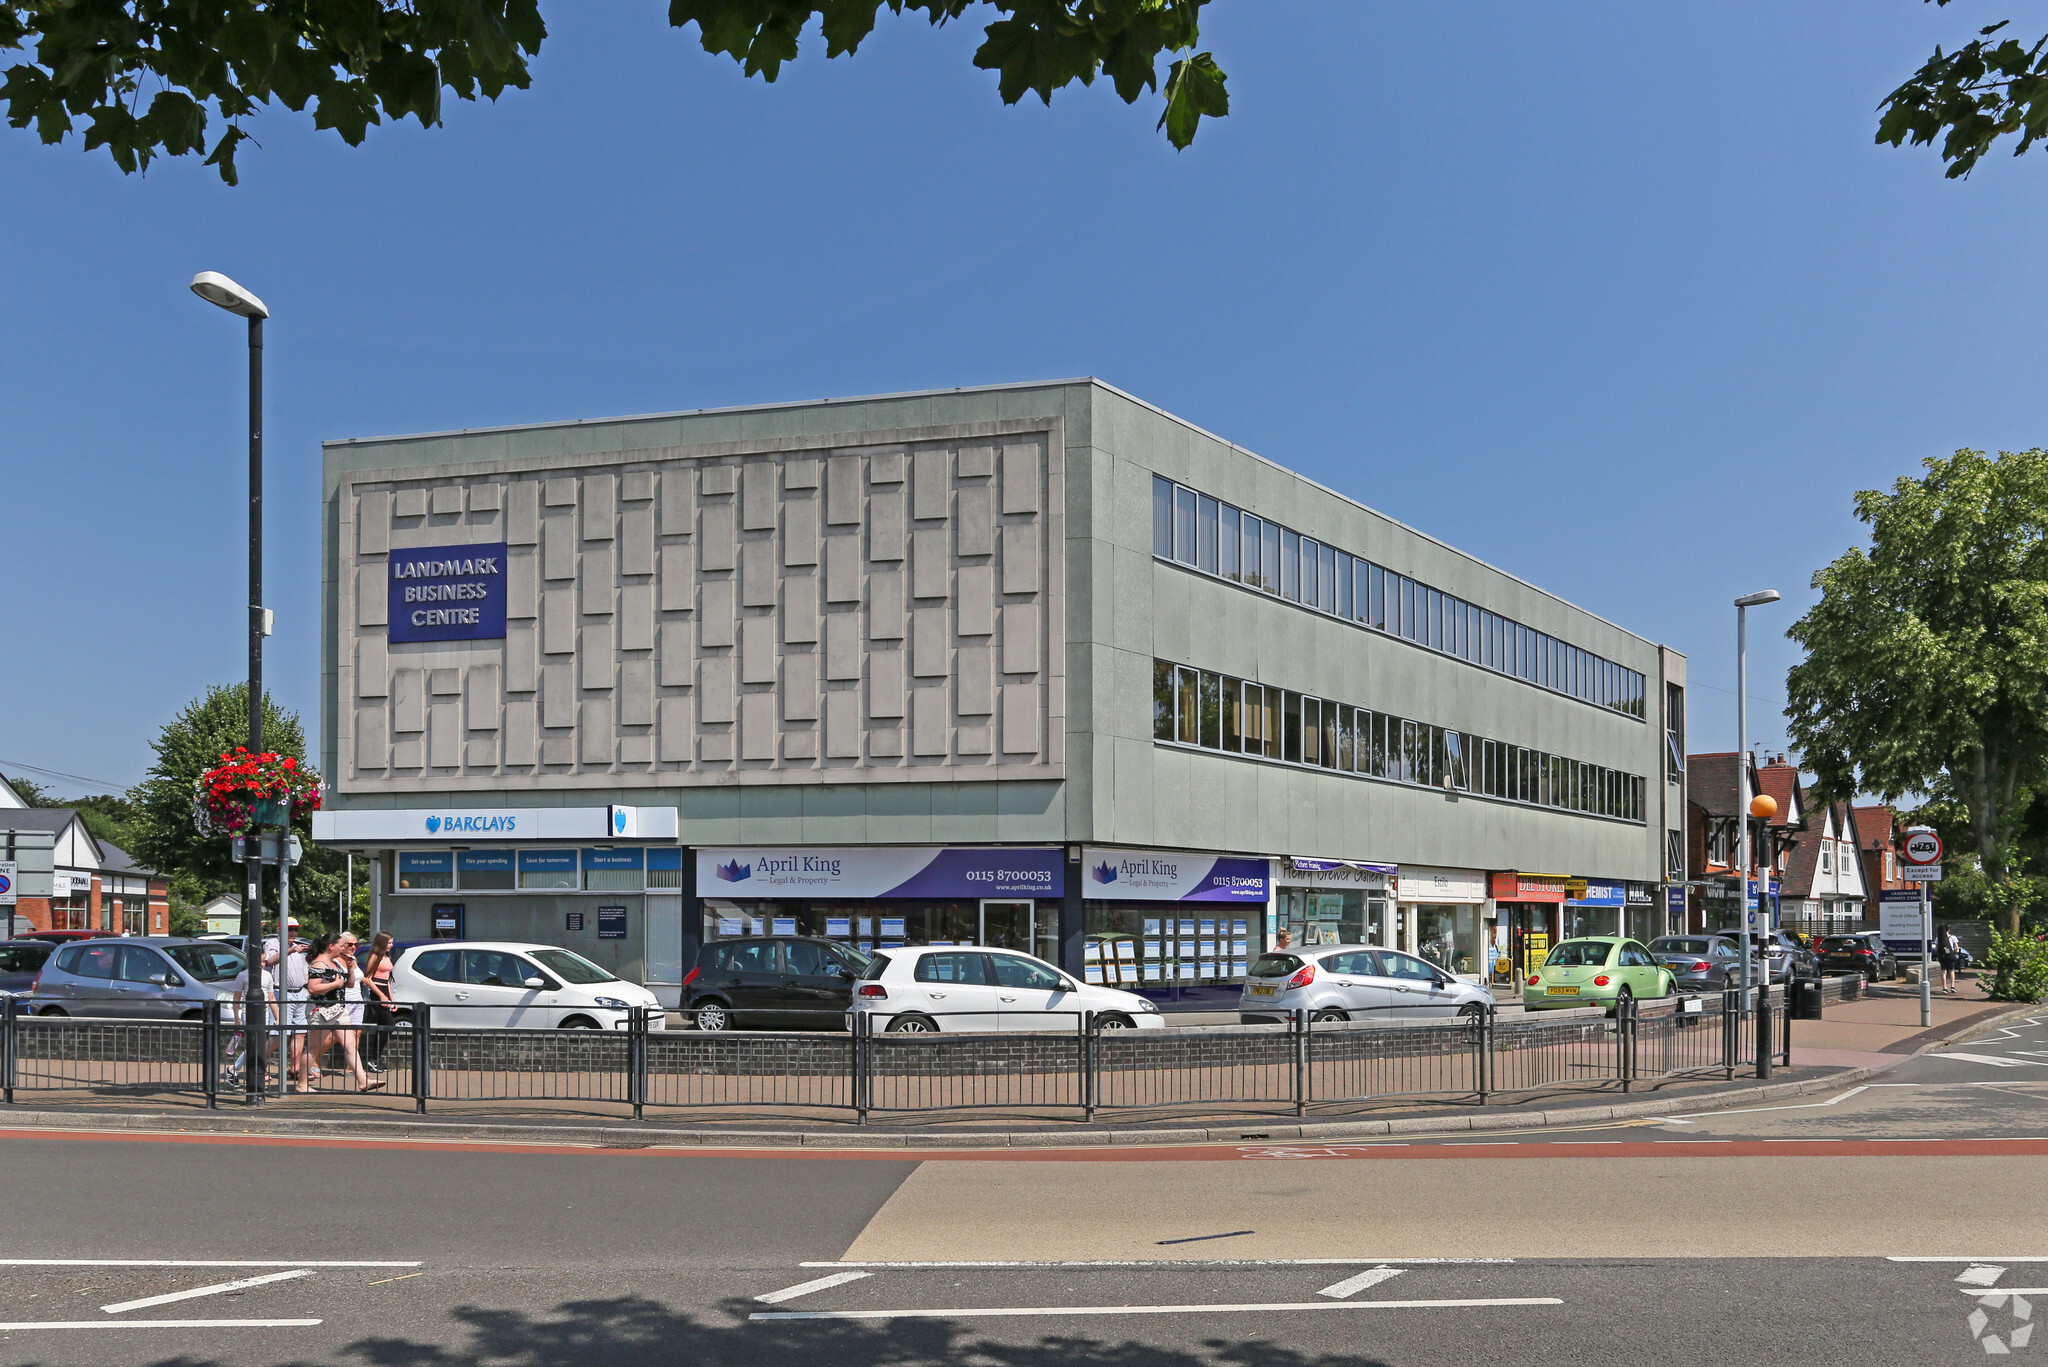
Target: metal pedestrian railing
[(964, 1063)]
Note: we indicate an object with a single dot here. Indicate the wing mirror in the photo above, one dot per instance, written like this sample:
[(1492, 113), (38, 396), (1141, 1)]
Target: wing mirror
[(537, 984)]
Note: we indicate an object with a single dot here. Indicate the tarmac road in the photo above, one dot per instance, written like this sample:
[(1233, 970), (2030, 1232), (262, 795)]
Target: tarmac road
[(1902, 1224)]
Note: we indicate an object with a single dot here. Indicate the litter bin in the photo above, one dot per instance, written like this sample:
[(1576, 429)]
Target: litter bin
[(1806, 999)]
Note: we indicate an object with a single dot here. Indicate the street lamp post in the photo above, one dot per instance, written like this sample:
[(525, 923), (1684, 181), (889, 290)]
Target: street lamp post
[(216, 288), (1750, 939)]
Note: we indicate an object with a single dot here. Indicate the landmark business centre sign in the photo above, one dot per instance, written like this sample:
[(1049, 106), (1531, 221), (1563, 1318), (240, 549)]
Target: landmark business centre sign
[(448, 593)]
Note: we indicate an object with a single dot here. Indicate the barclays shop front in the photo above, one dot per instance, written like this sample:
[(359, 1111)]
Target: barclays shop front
[(606, 882)]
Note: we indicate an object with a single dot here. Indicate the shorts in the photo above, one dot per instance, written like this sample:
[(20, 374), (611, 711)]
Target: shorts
[(295, 1006)]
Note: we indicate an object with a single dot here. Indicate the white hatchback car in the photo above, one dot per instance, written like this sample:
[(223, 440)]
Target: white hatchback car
[(495, 985), (1354, 982), (927, 989)]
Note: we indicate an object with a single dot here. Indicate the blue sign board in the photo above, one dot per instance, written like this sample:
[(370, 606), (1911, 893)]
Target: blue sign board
[(547, 861), (437, 861), (484, 861), (448, 593), (611, 923), (611, 859)]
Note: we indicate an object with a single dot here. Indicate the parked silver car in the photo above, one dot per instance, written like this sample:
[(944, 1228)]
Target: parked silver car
[(1354, 982), (153, 977), (1703, 963)]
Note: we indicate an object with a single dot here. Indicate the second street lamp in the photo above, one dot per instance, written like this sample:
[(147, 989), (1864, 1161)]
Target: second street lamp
[(1751, 936), (216, 288)]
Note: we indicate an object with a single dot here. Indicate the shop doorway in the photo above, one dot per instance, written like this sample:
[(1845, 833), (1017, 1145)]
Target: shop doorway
[(1007, 925), (1529, 934)]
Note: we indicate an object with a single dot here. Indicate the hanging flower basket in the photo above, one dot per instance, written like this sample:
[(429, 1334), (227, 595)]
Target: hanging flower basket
[(246, 790)]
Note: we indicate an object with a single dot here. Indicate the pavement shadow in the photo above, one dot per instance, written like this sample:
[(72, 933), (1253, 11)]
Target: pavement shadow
[(636, 1331)]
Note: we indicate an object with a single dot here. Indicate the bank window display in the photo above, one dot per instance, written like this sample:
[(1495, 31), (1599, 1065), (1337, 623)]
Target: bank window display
[(549, 871), (1176, 949), (486, 870), (1212, 537), (614, 870), (420, 871), (1210, 711), (1448, 936)]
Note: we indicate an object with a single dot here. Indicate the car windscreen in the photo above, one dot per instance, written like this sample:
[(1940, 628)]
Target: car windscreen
[(1672, 945), (208, 963), (1579, 954), (23, 958), (1275, 966), (876, 967), (571, 968)]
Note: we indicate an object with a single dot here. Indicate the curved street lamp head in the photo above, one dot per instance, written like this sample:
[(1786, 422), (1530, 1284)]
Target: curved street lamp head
[(1747, 600), (216, 288)]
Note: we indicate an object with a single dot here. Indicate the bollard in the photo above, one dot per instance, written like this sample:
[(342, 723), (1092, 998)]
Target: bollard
[(209, 1052), (636, 1060), (1763, 1032), (7, 1009), (422, 1057)]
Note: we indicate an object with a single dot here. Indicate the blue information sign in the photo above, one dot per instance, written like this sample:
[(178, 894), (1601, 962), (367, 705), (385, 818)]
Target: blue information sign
[(448, 593)]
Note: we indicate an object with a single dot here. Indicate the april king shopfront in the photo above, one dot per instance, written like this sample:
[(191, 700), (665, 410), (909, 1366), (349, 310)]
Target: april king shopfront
[(1178, 928)]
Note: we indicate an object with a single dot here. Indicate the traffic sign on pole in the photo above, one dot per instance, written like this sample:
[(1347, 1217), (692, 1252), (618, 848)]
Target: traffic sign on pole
[(1920, 856)]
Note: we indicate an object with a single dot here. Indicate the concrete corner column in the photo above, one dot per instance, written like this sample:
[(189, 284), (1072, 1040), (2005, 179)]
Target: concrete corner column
[(1073, 917)]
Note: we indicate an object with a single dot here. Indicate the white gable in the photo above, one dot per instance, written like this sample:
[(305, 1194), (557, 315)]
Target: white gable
[(8, 797), (76, 848)]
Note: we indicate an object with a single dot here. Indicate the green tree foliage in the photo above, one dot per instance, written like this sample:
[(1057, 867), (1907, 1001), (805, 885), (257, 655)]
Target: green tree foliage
[(191, 743), (1993, 86), (2019, 966), (1927, 656), (153, 78), (33, 793)]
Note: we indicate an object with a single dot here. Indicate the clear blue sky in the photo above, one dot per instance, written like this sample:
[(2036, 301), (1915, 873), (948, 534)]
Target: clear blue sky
[(1619, 297)]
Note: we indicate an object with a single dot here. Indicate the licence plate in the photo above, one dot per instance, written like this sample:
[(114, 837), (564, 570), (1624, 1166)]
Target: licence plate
[(1564, 991), (1261, 991)]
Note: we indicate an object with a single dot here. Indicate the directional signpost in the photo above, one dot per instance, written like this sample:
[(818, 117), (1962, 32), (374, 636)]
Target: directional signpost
[(1920, 862)]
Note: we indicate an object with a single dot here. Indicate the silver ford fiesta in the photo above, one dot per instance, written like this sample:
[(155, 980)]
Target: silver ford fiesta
[(1354, 982)]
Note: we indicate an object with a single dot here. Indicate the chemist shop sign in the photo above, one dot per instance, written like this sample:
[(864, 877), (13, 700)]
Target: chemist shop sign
[(448, 593)]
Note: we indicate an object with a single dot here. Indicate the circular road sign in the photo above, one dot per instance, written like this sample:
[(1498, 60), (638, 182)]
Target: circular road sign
[(1922, 848), (5, 882)]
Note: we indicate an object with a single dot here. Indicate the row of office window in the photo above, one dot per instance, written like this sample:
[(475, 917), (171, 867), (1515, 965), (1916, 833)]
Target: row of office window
[(1237, 716), (1209, 535), (591, 870)]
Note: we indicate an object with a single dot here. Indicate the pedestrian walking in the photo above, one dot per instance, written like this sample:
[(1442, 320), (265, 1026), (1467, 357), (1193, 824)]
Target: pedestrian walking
[(330, 974), (287, 966), (1283, 938), (377, 1013), (1948, 948)]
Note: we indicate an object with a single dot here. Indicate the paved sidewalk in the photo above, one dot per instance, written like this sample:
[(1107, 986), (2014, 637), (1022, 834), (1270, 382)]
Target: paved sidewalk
[(1878, 1030)]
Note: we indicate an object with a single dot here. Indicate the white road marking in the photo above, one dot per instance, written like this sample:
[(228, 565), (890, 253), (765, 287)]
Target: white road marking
[(155, 1324), (191, 1262), (1994, 1060), (1026, 1311), (1979, 1275), (1758, 1110), (1351, 1286), (790, 1293), (1183, 1262), (217, 1289), (2004, 1290), (1944, 1258)]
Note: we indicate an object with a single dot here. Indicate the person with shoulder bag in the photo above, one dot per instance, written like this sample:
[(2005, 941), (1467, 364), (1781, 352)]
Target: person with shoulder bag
[(329, 976)]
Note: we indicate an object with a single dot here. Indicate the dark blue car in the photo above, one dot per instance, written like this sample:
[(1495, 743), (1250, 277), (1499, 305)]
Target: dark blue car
[(20, 961)]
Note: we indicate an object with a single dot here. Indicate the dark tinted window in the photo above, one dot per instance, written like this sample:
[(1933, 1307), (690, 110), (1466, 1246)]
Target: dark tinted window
[(1838, 943), (805, 959), (139, 965), (852, 960), (22, 958), (877, 966), (208, 963), (1275, 966), (1015, 971), (494, 968), (436, 965), (752, 956), (952, 968), (1671, 944), (90, 960)]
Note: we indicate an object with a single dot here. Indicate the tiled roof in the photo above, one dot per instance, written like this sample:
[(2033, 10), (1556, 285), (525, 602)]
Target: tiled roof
[(1874, 823), (1781, 782), (1710, 782)]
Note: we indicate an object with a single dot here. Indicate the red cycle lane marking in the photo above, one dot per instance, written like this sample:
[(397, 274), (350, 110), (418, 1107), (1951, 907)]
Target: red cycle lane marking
[(1299, 1150)]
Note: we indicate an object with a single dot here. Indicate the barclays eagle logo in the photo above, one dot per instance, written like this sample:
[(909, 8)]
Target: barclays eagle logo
[(433, 824), (619, 822), (1105, 872), (735, 871)]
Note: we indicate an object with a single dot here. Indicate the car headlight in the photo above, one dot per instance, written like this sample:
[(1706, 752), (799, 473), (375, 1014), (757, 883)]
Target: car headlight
[(1151, 1006), (614, 1003)]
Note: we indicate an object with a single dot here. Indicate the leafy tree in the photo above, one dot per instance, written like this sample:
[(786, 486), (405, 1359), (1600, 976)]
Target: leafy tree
[(1927, 656), (191, 743), (355, 63), (1992, 87), (33, 793)]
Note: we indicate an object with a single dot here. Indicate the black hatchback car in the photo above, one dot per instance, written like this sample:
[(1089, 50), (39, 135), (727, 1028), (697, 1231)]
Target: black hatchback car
[(20, 963), (772, 982), (1863, 954)]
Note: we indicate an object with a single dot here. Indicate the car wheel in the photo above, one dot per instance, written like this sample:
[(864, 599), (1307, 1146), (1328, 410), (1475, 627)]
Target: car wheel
[(713, 1016), (1471, 1011), (579, 1023), (1622, 998), (190, 1016), (1330, 1013), (51, 1011), (913, 1025), (1115, 1020)]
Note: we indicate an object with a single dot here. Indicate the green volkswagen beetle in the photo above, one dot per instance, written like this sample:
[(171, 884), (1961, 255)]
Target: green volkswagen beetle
[(1598, 970)]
